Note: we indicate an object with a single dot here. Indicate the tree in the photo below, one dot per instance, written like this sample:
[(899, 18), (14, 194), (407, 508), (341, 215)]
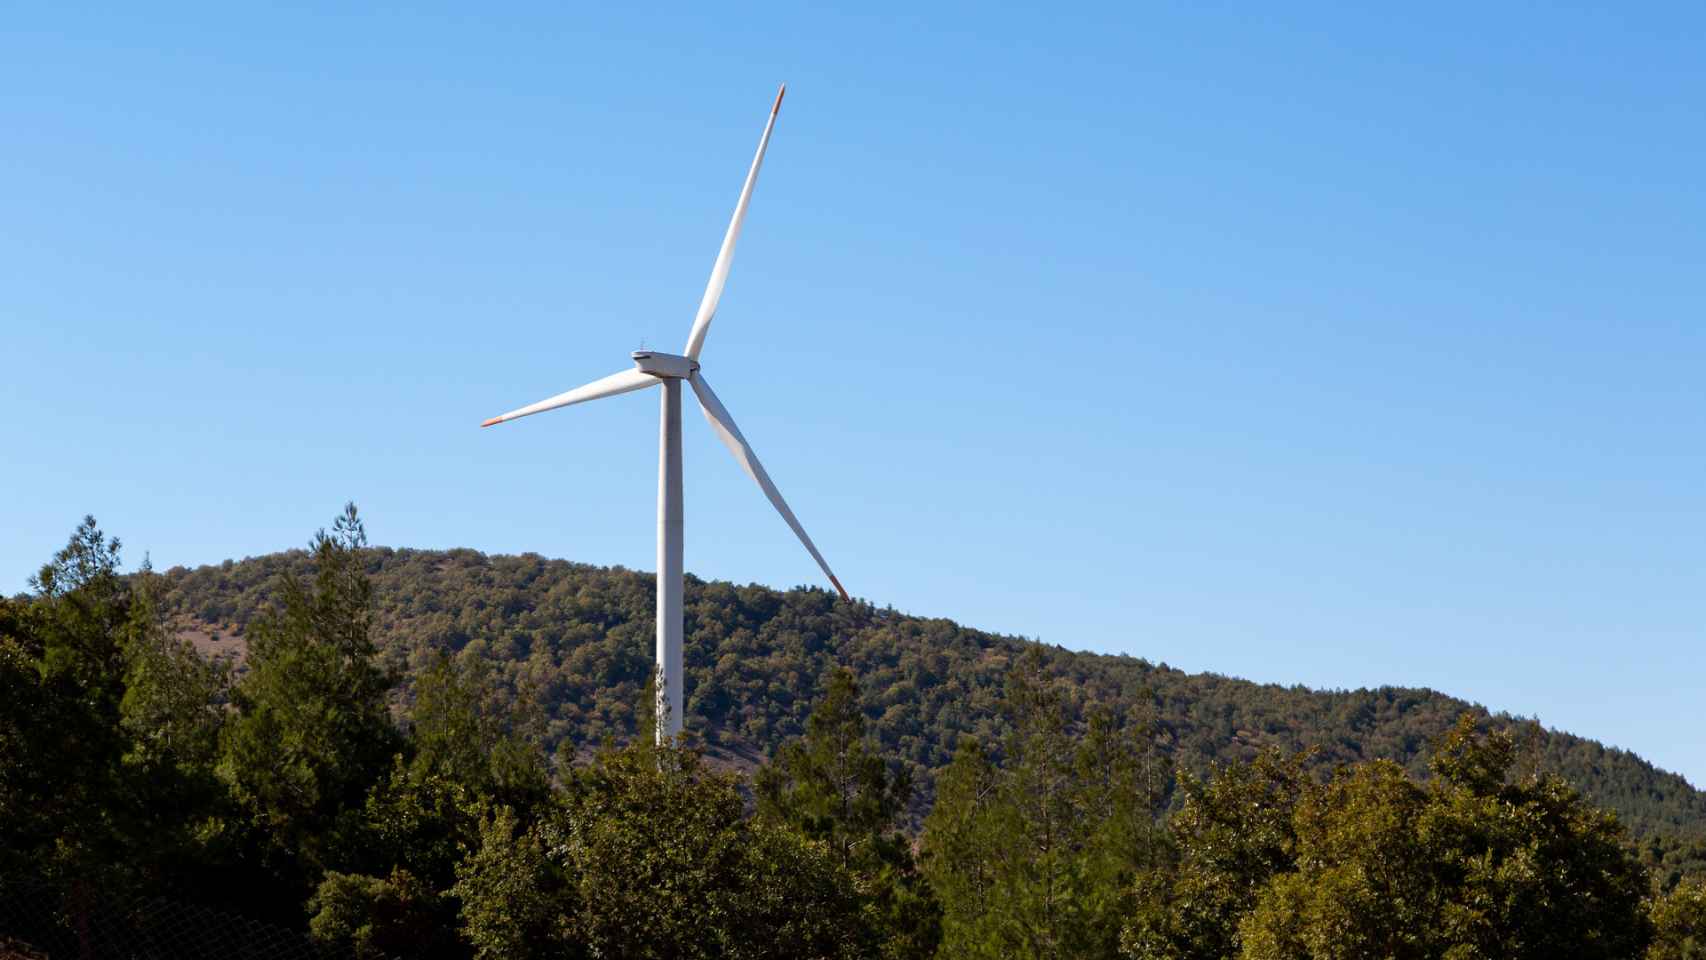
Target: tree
[(170, 716), (461, 758), (174, 698), (518, 902), (312, 731), (1045, 845), (1470, 866), (667, 865), (65, 812), (961, 851), (1363, 886), (1233, 833), (461, 728), (369, 917), (1040, 908), (757, 659), (833, 787), (1530, 868), (1679, 923)]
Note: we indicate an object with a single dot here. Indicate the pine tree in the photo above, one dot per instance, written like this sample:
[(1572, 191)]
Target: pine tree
[(312, 730), (65, 812), (1034, 858), (832, 786), (961, 852)]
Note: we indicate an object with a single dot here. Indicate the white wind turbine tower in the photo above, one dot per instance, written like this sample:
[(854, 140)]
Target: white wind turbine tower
[(653, 369)]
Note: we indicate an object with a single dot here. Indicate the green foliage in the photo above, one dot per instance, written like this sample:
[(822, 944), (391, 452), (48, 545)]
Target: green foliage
[(517, 903), (1679, 923), (82, 614), (1234, 833), (832, 786), (379, 917), (580, 637), (463, 729), (312, 730), (1529, 869), (1363, 884), (1473, 864), (174, 699), (108, 727), (423, 819), (962, 851), (649, 854), (667, 865), (65, 806), (1033, 858), (462, 756), (1672, 857)]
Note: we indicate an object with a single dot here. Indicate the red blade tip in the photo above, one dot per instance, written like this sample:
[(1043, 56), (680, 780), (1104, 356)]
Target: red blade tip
[(778, 104), (492, 421)]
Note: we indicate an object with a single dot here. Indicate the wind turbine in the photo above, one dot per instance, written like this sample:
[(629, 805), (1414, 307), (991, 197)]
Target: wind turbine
[(669, 370)]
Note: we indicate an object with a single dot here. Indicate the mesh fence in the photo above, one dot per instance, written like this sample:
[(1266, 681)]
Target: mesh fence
[(43, 923)]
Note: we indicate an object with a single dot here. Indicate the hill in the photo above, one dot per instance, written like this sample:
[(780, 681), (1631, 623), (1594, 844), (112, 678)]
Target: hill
[(579, 639)]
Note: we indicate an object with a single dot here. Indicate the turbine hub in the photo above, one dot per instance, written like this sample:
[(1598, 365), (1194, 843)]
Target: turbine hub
[(665, 366)]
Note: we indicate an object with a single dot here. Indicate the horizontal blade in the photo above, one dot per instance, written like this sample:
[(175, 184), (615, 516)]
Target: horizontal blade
[(724, 424), (720, 271), (610, 386)]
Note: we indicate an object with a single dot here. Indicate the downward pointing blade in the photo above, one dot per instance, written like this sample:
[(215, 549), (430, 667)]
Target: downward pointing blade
[(610, 386), (718, 415), (720, 271)]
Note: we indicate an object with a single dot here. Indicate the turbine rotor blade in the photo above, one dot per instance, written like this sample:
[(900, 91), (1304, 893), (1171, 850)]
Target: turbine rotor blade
[(720, 270), (724, 425), (610, 386)]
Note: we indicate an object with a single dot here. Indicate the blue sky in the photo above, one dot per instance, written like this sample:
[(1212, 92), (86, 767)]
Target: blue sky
[(1315, 345)]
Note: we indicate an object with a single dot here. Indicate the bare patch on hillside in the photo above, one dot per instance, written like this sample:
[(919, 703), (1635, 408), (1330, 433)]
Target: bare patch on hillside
[(214, 641)]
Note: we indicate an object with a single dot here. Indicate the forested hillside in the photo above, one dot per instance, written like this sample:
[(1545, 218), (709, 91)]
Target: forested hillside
[(363, 794), (578, 640)]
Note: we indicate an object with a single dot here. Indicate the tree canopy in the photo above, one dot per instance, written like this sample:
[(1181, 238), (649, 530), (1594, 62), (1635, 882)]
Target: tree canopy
[(575, 641), (389, 790)]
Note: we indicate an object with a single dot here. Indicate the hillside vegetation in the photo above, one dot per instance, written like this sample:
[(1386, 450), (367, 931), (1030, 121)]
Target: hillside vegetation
[(578, 639), (375, 778)]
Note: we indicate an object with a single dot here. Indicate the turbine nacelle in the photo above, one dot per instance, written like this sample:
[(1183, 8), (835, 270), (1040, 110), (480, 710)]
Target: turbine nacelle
[(665, 366)]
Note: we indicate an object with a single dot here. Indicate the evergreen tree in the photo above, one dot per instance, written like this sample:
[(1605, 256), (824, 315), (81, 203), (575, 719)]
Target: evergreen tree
[(174, 698), (1033, 857), (460, 758), (171, 714), (756, 658), (832, 786), (462, 728), (312, 731), (1232, 834), (66, 813), (128, 764), (961, 852)]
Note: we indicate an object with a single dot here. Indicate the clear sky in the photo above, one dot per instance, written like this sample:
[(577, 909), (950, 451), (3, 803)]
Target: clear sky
[(1306, 343)]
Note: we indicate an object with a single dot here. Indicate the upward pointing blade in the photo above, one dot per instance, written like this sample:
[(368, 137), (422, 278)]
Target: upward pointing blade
[(720, 271), (609, 386), (718, 415)]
